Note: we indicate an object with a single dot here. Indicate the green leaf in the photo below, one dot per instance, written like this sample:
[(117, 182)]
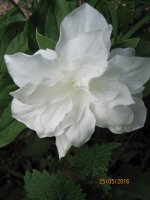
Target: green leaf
[(44, 42), (10, 17), (6, 118), (133, 42), (136, 27), (46, 19), (4, 81), (114, 17), (93, 2), (9, 128), (5, 96), (7, 32), (92, 162), (18, 44), (36, 21), (10, 133), (42, 186), (56, 13)]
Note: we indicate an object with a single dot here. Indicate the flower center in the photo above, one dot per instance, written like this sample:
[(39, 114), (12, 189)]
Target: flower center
[(71, 79)]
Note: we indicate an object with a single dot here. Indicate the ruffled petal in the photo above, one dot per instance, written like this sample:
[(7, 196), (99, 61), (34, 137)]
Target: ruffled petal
[(135, 70), (87, 44), (63, 145), (48, 54), (87, 68), (30, 69), (44, 119), (40, 94), (80, 101), (81, 132), (122, 52), (139, 117), (83, 20), (111, 92), (112, 118)]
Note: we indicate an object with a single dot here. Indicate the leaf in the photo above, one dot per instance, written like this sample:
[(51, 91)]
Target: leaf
[(85, 163), (137, 26), (92, 162), (10, 17), (93, 2), (42, 186), (18, 44), (114, 17), (46, 19), (4, 81), (36, 21), (8, 32), (44, 42), (6, 118), (9, 134), (5, 96), (9, 128), (56, 13), (133, 42)]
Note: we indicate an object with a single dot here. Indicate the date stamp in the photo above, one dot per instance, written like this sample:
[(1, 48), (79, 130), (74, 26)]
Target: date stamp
[(114, 181)]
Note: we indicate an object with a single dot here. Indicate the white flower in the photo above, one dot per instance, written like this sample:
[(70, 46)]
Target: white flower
[(67, 92)]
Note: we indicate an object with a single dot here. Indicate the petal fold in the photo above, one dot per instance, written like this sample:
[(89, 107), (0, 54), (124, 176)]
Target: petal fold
[(87, 44), (82, 20), (112, 118), (63, 145), (139, 117), (30, 69), (135, 70), (44, 119), (81, 132), (111, 92)]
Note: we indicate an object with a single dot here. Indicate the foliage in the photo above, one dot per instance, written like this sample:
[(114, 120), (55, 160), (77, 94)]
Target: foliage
[(27, 27), (88, 166), (42, 186)]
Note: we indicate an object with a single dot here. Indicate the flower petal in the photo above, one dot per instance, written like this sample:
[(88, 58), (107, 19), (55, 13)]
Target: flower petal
[(44, 119), (63, 145), (111, 92), (40, 94), (112, 118), (135, 70), (81, 99), (139, 117), (30, 69), (48, 53), (88, 44), (82, 20), (87, 68), (122, 52), (81, 132)]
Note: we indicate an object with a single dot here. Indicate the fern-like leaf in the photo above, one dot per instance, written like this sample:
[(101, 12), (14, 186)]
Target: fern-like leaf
[(43, 186)]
